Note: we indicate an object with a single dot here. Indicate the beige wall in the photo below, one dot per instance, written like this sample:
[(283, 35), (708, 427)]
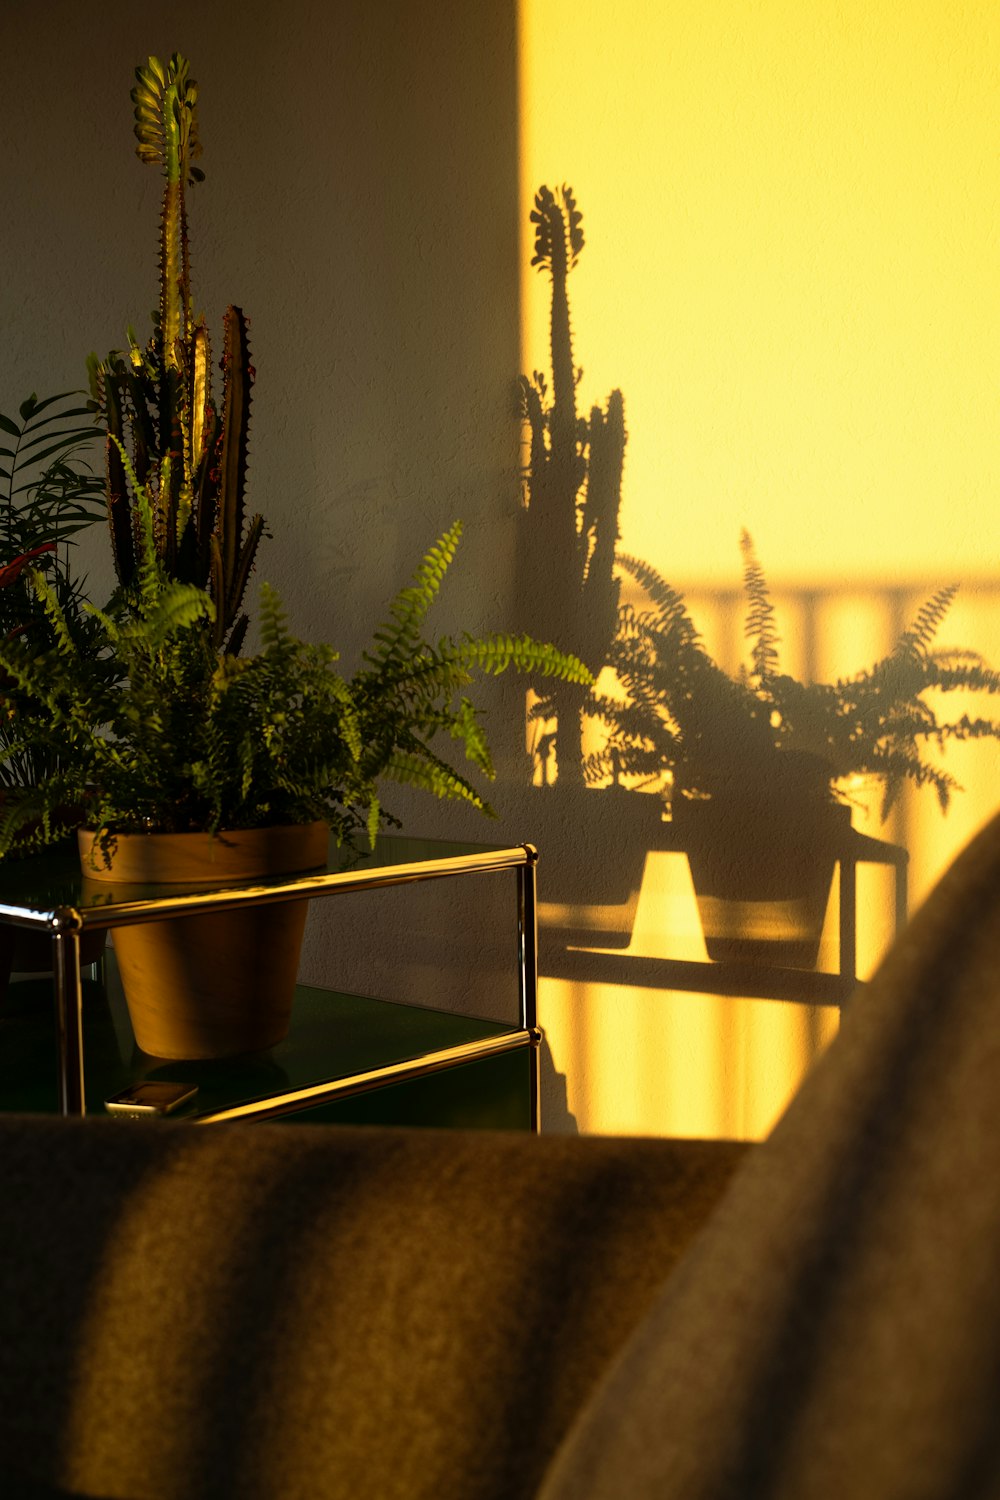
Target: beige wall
[(791, 271), (359, 203)]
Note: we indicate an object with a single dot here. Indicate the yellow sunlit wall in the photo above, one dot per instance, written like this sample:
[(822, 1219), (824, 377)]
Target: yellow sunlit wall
[(791, 271)]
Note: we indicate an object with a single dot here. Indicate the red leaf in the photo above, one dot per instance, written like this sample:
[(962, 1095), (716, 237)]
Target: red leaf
[(14, 569)]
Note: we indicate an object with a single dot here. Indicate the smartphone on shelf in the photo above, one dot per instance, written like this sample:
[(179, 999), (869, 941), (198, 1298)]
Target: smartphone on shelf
[(143, 1101)]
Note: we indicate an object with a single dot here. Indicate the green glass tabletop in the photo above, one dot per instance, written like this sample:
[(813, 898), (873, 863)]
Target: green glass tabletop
[(333, 1036)]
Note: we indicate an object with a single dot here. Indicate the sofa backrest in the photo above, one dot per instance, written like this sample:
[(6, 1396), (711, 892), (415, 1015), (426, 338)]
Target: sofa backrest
[(282, 1311), (835, 1331)]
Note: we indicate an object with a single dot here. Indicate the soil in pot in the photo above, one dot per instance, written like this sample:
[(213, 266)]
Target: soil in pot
[(220, 984), (762, 869)]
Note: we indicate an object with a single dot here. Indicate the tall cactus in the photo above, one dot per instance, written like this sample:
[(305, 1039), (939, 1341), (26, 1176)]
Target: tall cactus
[(572, 492), (157, 401)]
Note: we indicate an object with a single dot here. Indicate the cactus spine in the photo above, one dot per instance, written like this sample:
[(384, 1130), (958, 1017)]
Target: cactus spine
[(157, 402), (571, 492)]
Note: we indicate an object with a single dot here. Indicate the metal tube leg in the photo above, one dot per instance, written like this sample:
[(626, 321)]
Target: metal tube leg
[(69, 1020), (527, 939), (535, 1083), (527, 936)]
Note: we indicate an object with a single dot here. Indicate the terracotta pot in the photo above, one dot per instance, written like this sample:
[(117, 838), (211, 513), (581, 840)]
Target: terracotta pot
[(220, 984), (762, 869)]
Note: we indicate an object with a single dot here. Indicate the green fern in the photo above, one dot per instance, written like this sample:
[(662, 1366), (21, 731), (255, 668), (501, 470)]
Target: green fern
[(410, 690), (421, 769), (398, 638), (162, 730)]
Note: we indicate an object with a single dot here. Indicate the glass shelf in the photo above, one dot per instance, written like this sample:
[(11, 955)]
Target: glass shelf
[(334, 1041)]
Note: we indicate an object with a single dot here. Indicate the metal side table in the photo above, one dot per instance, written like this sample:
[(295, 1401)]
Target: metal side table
[(393, 1043)]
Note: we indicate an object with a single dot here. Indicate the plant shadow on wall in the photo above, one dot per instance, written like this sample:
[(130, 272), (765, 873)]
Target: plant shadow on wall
[(744, 774), (593, 840), (176, 757), (757, 764)]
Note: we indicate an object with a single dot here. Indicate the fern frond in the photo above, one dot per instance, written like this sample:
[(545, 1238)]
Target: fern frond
[(426, 674), (274, 632), (374, 820), (465, 726), (493, 654), (409, 608), (177, 607), (64, 640), (430, 774), (148, 572)]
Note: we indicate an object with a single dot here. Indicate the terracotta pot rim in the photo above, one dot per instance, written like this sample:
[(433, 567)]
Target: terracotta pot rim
[(200, 856), (85, 830)]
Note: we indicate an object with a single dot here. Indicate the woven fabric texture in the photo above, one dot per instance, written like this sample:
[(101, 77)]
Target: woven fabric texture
[(306, 1311)]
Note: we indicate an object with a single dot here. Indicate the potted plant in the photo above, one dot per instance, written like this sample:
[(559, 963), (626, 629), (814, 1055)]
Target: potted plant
[(245, 764), (753, 762), (572, 494), (47, 485), (191, 762), (49, 492)]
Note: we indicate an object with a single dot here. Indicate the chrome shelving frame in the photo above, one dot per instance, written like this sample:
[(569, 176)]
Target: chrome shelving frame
[(67, 921)]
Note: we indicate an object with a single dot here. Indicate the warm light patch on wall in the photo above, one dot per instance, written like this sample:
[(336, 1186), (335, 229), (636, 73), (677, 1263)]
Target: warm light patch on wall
[(790, 271), (649, 1062)]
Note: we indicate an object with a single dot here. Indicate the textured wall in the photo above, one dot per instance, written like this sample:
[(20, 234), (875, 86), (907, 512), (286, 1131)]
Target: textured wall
[(791, 271), (359, 204)]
